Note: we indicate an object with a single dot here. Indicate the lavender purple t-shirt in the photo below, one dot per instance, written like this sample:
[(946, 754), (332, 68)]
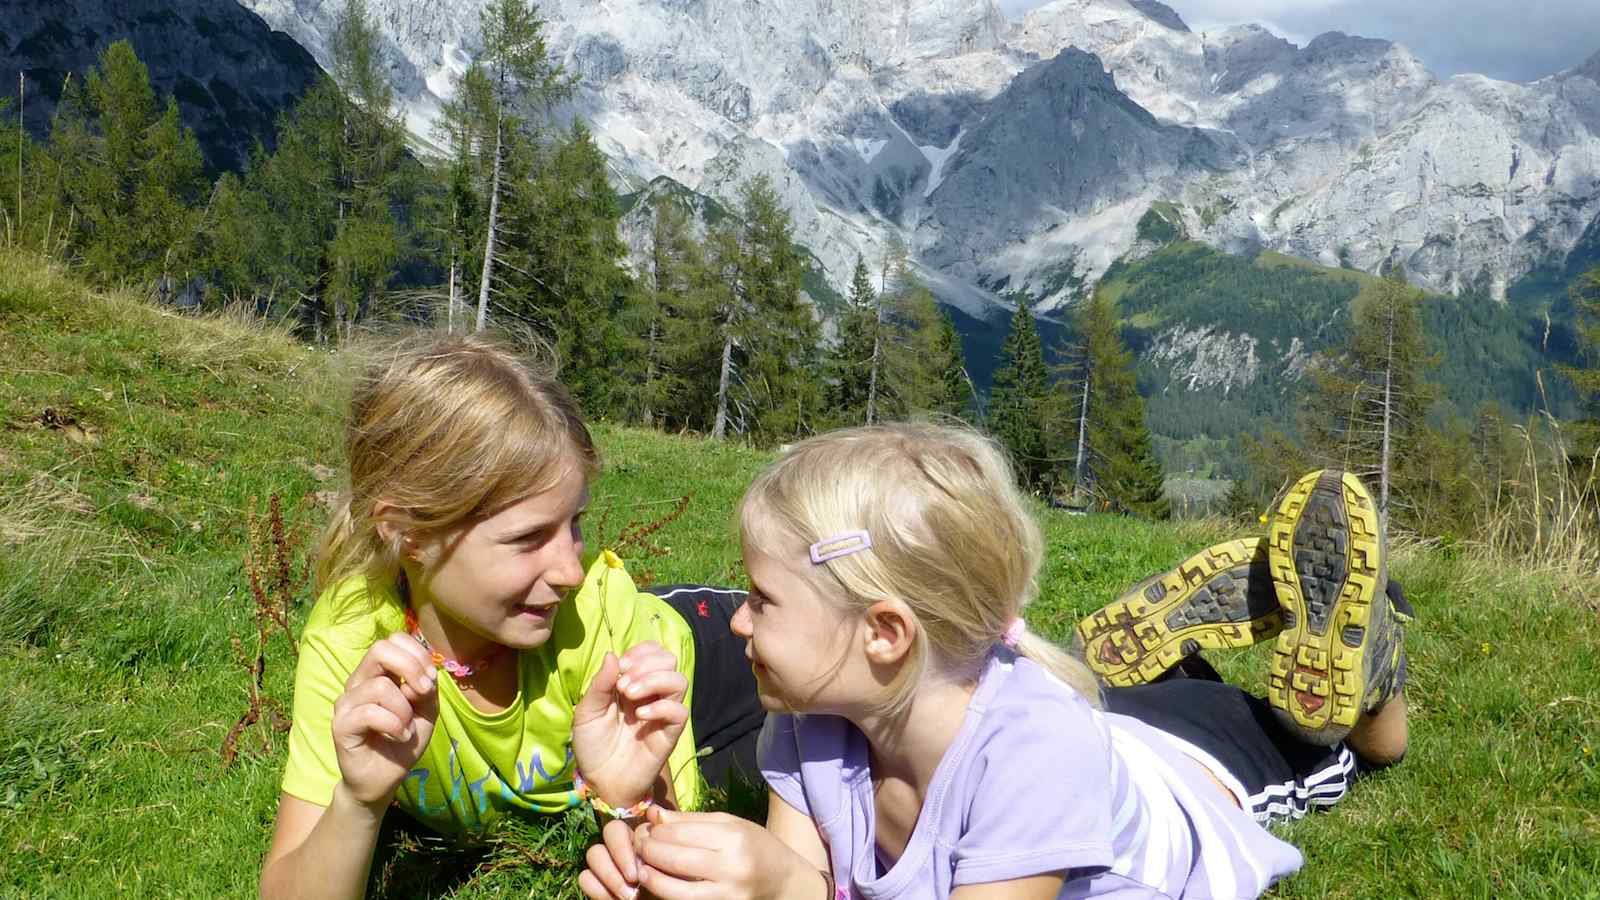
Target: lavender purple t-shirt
[(1037, 781)]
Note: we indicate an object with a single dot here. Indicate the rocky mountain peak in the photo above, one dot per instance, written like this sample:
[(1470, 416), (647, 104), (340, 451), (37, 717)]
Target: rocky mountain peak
[(1022, 156), (1161, 13), (1591, 69)]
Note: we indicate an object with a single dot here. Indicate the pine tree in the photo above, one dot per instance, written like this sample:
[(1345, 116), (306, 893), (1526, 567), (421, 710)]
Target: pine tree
[(783, 357), (569, 282), (666, 294), (896, 354), (953, 386), (1018, 400), (1585, 295), (1120, 453), (29, 197), (1367, 408), (128, 171), (517, 66), (850, 366), (766, 382)]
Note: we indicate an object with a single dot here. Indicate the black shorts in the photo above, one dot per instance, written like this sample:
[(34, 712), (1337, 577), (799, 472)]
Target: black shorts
[(1282, 777), (724, 709)]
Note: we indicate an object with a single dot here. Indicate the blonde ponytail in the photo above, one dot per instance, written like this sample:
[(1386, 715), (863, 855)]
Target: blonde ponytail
[(1061, 663)]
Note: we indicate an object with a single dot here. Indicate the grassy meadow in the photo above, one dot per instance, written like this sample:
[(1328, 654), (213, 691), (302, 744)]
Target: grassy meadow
[(138, 447)]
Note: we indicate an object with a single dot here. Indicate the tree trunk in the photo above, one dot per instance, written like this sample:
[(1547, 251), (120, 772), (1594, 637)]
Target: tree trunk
[(488, 242), (450, 328), (721, 427), (650, 369), (22, 101), (1388, 407), (1083, 434), (877, 342), (872, 377)]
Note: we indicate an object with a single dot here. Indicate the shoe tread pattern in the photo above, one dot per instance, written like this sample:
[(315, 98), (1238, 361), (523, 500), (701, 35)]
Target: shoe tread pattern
[(1325, 555), (1220, 598)]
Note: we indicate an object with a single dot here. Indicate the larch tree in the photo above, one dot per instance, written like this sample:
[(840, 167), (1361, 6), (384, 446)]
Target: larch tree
[(521, 78), (1114, 448), (1367, 407)]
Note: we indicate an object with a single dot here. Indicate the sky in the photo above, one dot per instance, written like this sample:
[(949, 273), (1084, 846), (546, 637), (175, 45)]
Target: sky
[(1519, 40)]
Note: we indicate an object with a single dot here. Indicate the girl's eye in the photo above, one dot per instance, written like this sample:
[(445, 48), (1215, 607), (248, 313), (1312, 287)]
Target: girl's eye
[(755, 600)]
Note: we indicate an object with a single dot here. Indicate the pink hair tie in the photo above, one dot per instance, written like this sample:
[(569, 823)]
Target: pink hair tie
[(1014, 633)]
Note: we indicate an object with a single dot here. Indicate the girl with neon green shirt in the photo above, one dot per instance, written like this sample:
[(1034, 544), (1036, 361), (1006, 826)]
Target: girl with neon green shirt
[(461, 662)]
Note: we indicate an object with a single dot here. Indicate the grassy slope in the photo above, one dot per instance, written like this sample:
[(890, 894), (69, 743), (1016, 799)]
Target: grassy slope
[(121, 581)]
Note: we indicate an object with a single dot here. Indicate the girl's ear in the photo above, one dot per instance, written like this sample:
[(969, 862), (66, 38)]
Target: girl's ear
[(390, 532), (891, 631)]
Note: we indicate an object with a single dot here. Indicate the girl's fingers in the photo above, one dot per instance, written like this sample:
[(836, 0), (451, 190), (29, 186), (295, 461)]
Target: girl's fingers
[(600, 695), (670, 683), (618, 839), (664, 712), (660, 815), (400, 659), (604, 870), (683, 860), (371, 719), (668, 887), (636, 657), (381, 692), (595, 889)]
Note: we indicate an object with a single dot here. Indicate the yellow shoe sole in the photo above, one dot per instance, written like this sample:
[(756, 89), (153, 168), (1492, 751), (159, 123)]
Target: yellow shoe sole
[(1326, 561), (1220, 598)]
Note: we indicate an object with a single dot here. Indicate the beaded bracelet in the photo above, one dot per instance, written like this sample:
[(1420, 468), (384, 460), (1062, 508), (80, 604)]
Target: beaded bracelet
[(582, 789)]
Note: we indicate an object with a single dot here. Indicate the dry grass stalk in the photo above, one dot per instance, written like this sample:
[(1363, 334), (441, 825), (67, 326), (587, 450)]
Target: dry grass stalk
[(1546, 516), (638, 538), (275, 586)]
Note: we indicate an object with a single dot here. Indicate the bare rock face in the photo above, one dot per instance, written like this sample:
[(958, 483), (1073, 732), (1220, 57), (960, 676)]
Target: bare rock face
[(1021, 156), (231, 74), (1061, 146)]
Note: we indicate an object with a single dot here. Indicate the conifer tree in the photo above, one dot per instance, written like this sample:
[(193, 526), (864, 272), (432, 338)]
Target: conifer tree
[(953, 386), (851, 359), (1585, 296), (767, 381), (782, 365), (569, 282), (128, 170), (29, 196), (1018, 398), (331, 188), (516, 66), (1367, 407), (666, 291), (896, 353), (1121, 458)]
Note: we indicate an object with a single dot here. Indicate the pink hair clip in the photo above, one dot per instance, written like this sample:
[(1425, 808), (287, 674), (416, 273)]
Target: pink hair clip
[(840, 545)]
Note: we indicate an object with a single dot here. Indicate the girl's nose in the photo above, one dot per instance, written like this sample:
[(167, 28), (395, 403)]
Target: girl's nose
[(740, 623), (567, 570)]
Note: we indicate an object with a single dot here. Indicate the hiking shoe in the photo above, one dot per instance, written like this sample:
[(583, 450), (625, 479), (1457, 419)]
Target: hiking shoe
[(1341, 649), (1221, 597)]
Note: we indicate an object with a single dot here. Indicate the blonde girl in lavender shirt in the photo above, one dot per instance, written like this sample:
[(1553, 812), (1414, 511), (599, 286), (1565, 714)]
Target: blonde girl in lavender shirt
[(920, 741)]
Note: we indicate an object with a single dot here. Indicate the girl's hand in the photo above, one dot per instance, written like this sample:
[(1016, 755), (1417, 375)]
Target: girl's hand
[(613, 867), (384, 718), (625, 727), (716, 856)]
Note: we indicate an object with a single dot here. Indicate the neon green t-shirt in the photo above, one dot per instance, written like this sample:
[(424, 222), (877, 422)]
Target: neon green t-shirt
[(478, 766)]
